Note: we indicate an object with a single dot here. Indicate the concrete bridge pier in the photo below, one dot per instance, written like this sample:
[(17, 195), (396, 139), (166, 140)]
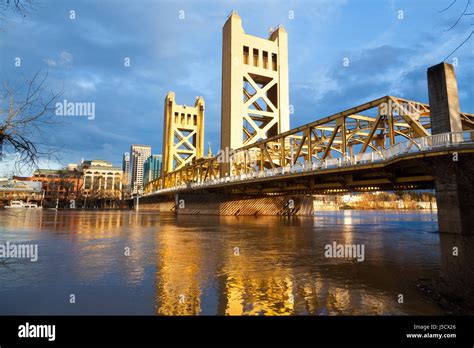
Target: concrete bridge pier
[(206, 203), (239, 204), (454, 175), (454, 182), (457, 269)]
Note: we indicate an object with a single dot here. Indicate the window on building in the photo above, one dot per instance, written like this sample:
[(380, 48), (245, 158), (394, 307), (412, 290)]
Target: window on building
[(110, 185), (88, 183)]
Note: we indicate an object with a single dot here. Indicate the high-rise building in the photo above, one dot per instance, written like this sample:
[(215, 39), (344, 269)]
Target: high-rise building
[(138, 155), (151, 169), (126, 169)]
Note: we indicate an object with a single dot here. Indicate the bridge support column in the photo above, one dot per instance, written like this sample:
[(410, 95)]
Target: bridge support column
[(164, 204), (445, 112), (453, 175), (457, 269), (454, 182)]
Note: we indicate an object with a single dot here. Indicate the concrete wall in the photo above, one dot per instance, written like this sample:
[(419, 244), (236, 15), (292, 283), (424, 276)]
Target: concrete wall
[(222, 204)]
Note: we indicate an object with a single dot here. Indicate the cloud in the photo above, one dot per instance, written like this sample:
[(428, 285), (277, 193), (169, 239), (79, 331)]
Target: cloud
[(85, 60), (50, 62), (64, 60), (377, 70)]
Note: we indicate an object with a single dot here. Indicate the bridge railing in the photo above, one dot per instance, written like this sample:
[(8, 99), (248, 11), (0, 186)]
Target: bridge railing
[(432, 142), (422, 144)]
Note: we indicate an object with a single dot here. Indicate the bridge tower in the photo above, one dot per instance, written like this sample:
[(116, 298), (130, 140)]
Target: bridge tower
[(183, 133), (255, 101), (454, 177)]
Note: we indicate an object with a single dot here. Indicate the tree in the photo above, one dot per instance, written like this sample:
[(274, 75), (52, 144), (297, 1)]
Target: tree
[(462, 14), (24, 113), (14, 7)]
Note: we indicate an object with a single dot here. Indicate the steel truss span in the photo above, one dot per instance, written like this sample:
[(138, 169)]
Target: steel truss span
[(371, 133)]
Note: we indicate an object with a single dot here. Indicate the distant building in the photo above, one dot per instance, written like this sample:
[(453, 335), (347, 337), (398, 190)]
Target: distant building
[(351, 198), (93, 183), (72, 166), (24, 190), (151, 169), (61, 184), (126, 170), (138, 155), (101, 179)]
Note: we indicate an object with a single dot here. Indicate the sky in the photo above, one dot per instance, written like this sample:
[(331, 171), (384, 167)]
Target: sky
[(176, 45)]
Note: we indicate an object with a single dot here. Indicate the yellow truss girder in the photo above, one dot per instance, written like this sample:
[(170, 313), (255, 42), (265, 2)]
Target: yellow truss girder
[(345, 133)]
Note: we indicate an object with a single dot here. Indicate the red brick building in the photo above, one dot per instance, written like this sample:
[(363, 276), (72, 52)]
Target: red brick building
[(60, 184)]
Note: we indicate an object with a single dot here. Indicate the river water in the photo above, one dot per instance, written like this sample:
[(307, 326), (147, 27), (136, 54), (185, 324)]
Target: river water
[(124, 262)]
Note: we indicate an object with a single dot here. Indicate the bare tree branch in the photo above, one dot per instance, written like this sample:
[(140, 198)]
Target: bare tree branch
[(23, 119), (21, 7), (462, 14), (10, 8), (447, 8), (462, 43)]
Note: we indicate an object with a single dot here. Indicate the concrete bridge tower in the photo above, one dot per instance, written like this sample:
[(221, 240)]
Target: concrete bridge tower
[(255, 101), (454, 175), (183, 133)]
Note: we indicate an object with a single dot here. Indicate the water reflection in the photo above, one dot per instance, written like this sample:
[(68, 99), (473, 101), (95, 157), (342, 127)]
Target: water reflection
[(145, 263)]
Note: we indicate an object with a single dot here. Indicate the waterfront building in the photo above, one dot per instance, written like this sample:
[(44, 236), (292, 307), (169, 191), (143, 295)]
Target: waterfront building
[(58, 184), (25, 190), (138, 155), (101, 179), (72, 166)]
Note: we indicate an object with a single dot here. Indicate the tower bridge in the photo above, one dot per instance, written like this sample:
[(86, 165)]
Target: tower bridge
[(265, 168)]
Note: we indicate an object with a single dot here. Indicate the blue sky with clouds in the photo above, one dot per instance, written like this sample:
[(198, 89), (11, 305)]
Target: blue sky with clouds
[(84, 58)]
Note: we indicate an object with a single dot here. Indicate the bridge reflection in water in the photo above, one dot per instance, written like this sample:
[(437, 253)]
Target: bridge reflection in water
[(279, 267), (194, 265)]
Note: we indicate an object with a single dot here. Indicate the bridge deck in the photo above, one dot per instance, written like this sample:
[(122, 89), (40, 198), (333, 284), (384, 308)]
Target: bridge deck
[(406, 165)]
